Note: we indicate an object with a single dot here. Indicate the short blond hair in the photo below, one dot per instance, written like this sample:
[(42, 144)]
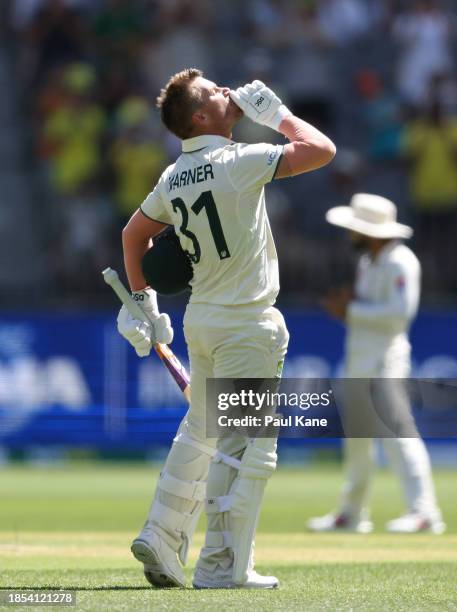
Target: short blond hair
[(178, 101)]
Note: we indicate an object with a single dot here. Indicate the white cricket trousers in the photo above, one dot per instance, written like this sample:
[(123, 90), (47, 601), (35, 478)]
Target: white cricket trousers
[(223, 342), (227, 342), (408, 457), (230, 342)]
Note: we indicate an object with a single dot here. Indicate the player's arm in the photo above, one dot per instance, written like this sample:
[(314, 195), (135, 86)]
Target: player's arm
[(136, 240), (308, 149)]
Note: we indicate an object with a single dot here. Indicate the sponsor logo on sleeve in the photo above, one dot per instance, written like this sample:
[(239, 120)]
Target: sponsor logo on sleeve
[(272, 156)]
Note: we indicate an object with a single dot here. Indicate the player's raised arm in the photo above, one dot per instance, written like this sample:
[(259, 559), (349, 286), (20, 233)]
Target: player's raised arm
[(308, 149)]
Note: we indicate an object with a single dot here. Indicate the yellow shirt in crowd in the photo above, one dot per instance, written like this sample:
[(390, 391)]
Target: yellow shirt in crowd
[(434, 172)]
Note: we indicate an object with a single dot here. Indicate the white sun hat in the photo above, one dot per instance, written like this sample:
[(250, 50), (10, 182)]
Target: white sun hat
[(371, 215)]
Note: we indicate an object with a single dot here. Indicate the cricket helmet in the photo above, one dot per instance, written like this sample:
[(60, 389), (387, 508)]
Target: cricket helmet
[(166, 266)]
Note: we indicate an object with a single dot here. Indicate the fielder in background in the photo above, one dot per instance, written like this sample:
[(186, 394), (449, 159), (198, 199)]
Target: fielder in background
[(386, 299), (213, 195)]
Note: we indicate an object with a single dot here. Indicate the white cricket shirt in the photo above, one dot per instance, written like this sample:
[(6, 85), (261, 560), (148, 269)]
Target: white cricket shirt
[(214, 197), (387, 292)]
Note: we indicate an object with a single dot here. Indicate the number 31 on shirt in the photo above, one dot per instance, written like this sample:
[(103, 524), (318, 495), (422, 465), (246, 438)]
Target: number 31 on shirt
[(204, 201)]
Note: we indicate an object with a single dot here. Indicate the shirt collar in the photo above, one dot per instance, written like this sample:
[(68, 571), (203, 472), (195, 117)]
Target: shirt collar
[(190, 145), (386, 249)]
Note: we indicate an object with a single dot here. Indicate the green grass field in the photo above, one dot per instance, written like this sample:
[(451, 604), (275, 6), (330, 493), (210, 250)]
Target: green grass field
[(71, 528)]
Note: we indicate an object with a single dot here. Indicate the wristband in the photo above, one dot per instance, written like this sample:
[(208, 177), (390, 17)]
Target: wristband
[(280, 114)]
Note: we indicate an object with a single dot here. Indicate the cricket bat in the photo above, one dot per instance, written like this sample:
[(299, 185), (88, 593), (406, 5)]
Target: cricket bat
[(170, 361)]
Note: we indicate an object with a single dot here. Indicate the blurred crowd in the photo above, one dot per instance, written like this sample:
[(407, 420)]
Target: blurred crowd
[(379, 76)]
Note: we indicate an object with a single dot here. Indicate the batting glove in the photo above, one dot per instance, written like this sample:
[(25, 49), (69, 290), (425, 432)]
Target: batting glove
[(143, 335), (261, 104)]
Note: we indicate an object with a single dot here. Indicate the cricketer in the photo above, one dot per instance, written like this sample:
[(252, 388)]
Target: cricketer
[(214, 197), (378, 317)]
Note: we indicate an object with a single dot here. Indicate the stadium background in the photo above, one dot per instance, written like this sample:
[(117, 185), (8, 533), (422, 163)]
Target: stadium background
[(81, 145)]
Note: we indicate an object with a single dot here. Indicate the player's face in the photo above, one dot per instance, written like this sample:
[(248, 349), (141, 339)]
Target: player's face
[(218, 111), (359, 242)]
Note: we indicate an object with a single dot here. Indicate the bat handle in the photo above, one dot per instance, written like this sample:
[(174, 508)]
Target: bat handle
[(112, 279), (174, 366)]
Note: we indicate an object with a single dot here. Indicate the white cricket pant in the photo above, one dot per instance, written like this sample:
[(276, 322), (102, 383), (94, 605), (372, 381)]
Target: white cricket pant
[(408, 457), (230, 342), (227, 342), (223, 342)]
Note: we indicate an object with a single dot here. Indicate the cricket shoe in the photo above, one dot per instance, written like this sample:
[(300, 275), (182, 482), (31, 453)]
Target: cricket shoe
[(339, 522), (205, 580), (415, 523), (161, 565)]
